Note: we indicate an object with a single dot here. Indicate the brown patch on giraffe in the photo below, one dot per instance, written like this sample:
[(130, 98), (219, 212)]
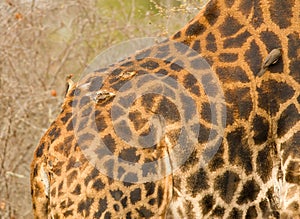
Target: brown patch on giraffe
[(116, 207), (272, 94), (152, 201), (96, 83), (245, 7), (77, 92), (234, 25), (251, 213), (137, 119), (150, 65), (87, 112), (177, 35), (288, 119), (40, 150), (270, 39), (279, 8), (92, 175), (232, 74), (60, 188), (127, 64), (148, 100), (188, 206), (217, 160), (84, 101), (98, 185), (83, 124), (142, 55), (249, 192), (177, 66), (161, 72), (240, 102), (204, 133), (228, 57), (102, 206), (197, 182), (68, 213), (196, 46), (264, 163), (191, 161), (135, 196), (123, 130), (160, 196), (71, 124), (73, 103), (145, 213), (66, 117), (235, 213), (293, 42), (226, 185), (294, 54), (211, 44), (207, 204), (263, 205), (195, 28), (257, 19), (116, 71), (117, 84), (116, 194), (254, 58), (218, 212), (71, 177), (260, 127), (77, 190), (57, 168), (191, 83), (71, 163), (107, 165), (54, 133), (206, 112), (109, 143), (168, 110), (164, 48), (150, 188), (239, 150), (212, 12)]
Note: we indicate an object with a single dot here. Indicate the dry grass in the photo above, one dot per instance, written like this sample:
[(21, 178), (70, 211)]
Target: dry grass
[(41, 42)]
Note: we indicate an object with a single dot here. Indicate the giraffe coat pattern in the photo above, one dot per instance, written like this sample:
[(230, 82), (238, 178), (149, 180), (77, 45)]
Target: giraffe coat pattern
[(253, 173)]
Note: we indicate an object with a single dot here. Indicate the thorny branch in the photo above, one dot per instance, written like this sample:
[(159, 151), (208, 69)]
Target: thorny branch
[(40, 43)]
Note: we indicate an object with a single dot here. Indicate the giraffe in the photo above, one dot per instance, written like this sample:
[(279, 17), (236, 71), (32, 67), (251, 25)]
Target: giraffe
[(212, 136)]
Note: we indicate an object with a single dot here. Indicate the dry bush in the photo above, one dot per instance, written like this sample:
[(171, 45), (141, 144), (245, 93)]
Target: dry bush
[(41, 42)]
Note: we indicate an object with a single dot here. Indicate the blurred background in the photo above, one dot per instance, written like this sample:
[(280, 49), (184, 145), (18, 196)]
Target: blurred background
[(43, 41)]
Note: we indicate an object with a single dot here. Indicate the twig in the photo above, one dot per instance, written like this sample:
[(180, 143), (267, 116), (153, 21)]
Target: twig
[(9, 173)]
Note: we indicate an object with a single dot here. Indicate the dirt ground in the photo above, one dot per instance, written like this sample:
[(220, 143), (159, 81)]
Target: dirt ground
[(41, 42)]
